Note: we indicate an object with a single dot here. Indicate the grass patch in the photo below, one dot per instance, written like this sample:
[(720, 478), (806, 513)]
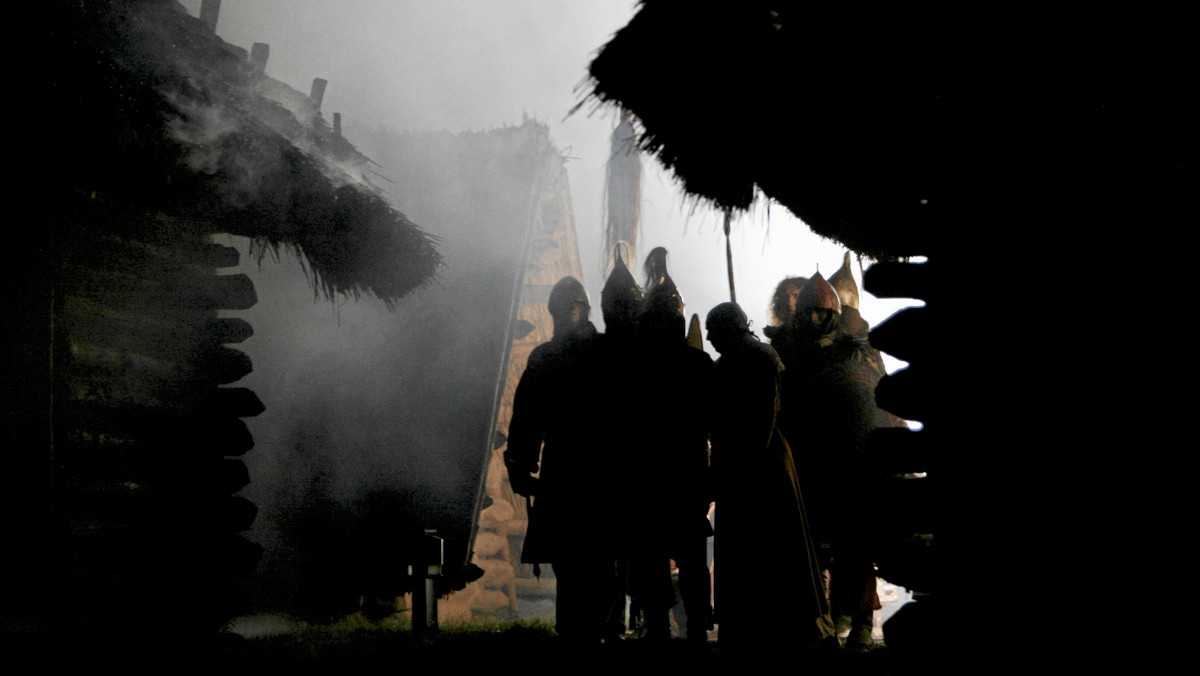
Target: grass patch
[(356, 639)]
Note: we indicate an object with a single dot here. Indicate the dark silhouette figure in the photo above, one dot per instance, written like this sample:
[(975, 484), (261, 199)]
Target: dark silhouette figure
[(829, 409), (552, 421), (668, 471), (618, 359), (768, 588)]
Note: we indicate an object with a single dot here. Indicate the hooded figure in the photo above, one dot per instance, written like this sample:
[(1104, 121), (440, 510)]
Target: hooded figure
[(552, 428), (829, 409), (761, 513), (668, 462)]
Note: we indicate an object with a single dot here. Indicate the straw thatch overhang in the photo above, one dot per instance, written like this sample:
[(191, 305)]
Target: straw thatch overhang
[(886, 130), (735, 97), (153, 109)]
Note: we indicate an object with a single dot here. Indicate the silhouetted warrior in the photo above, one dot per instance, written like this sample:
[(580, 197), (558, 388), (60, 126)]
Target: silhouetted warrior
[(618, 363), (768, 580), (829, 409), (552, 418), (668, 473)]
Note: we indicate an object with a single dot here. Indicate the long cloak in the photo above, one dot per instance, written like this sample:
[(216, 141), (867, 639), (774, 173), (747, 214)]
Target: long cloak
[(552, 425), (768, 584)]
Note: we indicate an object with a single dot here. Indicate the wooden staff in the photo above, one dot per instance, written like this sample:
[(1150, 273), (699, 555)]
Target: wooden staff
[(729, 256)]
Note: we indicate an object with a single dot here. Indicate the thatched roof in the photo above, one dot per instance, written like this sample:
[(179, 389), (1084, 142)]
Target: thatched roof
[(151, 110), (882, 128)]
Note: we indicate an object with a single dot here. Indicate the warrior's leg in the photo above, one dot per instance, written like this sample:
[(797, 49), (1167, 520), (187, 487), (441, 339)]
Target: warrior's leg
[(650, 585), (853, 592), (695, 587)]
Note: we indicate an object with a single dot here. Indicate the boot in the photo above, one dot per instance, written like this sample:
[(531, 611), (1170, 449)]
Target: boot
[(860, 637), (841, 628)]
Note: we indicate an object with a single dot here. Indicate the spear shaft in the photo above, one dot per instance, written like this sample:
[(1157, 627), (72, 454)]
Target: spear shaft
[(729, 256)]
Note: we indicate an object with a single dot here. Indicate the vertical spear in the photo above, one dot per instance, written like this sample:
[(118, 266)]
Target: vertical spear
[(623, 190), (729, 256)]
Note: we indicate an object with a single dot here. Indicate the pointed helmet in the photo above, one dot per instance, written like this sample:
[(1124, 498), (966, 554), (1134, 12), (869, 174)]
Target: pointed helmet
[(843, 283), (818, 294), (621, 298)]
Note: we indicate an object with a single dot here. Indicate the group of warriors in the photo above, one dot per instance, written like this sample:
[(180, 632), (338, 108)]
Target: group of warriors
[(642, 418)]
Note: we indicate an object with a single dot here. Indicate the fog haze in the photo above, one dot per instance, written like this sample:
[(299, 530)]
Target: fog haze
[(474, 64)]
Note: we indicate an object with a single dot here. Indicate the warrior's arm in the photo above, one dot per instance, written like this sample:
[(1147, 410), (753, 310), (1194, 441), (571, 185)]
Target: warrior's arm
[(526, 429)]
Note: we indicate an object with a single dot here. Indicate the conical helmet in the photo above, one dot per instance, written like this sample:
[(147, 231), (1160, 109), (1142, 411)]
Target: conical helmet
[(621, 298), (818, 294), (843, 283)]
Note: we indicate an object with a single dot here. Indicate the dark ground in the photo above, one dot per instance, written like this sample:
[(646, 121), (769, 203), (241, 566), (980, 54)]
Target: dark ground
[(356, 644), (530, 646)]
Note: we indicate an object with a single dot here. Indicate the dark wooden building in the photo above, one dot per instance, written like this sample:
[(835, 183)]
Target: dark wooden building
[(124, 422)]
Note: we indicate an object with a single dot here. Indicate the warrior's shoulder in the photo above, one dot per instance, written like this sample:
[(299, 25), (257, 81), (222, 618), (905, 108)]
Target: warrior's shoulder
[(542, 351), (699, 358), (762, 355), (763, 350), (542, 356)]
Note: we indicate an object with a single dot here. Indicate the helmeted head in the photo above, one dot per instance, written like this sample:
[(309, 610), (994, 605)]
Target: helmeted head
[(662, 311), (662, 314), (817, 308), (726, 324), (621, 298), (568, 304)]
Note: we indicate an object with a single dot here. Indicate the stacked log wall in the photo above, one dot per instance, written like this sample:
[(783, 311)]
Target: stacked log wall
[(147, 432), (508, 588)]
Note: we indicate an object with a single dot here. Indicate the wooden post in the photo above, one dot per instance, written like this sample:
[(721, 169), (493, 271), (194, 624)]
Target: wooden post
[(317, 94), (259, 52), (209, 10)]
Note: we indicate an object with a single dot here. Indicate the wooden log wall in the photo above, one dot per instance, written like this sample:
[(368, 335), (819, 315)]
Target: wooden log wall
[(148, 431), (914, 467), (909, 463)]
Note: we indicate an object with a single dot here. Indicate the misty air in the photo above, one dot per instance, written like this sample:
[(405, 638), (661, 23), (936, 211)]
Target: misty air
[(472, 333)]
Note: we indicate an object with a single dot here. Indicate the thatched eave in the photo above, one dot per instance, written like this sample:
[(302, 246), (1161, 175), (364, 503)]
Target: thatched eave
[(883, 128), (747, 97), (156, 111)]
